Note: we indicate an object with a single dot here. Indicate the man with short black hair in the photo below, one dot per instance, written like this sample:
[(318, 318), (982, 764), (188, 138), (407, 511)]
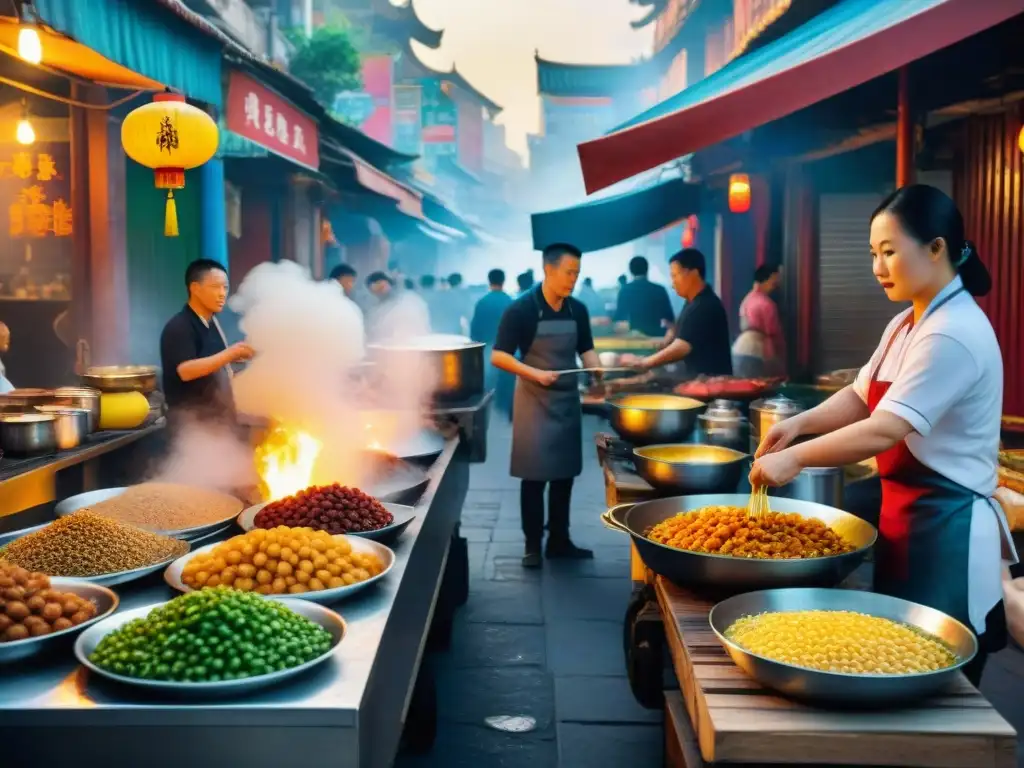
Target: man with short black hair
[(550, 329), (701, 333), (643, 304), (525, 281), (484, 328), (194, 355)]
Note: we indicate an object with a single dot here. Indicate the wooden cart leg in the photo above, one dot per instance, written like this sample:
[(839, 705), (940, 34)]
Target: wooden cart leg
[(644, 644)]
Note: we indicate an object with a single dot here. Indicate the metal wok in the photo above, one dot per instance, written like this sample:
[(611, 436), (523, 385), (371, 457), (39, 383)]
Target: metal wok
[(643, 419), (690, 468), (840, 689), (729, 575), (394, 480)]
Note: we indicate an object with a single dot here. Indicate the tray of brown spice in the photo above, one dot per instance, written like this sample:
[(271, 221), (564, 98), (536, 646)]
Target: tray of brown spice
[(91, 548), (181, 511)]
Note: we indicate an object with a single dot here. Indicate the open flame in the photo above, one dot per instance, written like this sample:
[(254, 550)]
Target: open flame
[(285, 461)]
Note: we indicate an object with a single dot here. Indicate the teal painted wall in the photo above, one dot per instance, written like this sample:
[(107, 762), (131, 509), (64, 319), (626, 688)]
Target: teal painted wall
[(156, 264)]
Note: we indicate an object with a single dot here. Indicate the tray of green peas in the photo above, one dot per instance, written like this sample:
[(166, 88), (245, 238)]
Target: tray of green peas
[(212, 642)]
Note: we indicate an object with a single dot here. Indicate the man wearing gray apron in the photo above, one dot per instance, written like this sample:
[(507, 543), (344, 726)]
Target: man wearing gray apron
[(550, 329)]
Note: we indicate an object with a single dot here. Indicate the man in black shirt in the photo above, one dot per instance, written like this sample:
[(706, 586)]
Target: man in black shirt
[(550, 329), (194, 355), (701, 334), (643, 304)]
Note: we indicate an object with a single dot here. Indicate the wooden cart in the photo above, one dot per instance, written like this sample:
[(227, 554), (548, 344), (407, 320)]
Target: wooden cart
[(719, 716)]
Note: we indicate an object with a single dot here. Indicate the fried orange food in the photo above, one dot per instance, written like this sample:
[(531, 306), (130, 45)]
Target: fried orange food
[(730, 531)]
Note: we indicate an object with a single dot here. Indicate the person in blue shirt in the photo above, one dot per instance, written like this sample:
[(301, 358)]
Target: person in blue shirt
[(643, 304), (484, 328)]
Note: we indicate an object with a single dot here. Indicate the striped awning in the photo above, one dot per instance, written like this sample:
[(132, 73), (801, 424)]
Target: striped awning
[(849, 44)]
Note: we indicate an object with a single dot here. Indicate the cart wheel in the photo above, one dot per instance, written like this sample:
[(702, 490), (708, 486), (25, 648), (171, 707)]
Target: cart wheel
[(421, 721), (637, 601), (645, 654)]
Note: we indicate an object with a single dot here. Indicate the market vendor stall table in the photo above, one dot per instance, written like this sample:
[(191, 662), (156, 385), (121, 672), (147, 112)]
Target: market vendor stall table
[(349, 712), (732, 719)]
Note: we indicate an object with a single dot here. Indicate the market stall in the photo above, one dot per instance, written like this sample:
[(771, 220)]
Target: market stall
[(353, 706)]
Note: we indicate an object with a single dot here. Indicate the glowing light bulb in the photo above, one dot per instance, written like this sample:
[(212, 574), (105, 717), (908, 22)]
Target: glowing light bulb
[(30, 46), (25, 133)]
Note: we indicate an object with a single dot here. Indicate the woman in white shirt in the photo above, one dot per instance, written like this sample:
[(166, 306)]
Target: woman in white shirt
[(928, 406)]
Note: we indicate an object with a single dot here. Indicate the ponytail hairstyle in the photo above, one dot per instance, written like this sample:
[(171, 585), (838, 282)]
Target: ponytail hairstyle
[(928, 214)]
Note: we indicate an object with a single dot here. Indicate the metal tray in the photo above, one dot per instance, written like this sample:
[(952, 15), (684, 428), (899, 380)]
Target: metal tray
[(88, 640), (106, 579), (403, 516), (324, 596), (840, 689), (72, 504), (106, 603)]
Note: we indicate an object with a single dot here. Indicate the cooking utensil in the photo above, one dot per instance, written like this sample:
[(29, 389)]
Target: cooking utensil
[(690, 468), (723, 424), (72, 504), (766, 413), (28, 433), (837, 688), (88, 640), (393, 480), (644, 419), (402, 515), (81, 397), (823, 485), (323, 596), (71, 426), (121, 378), (595, 370), (736, 574), (455, 363), (106, 602)]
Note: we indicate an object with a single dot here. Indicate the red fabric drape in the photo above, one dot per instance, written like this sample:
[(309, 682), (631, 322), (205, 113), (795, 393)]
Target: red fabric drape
[(987, 185)]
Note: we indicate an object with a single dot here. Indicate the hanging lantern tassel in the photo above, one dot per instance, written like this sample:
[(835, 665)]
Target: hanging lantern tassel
[(170, 216)]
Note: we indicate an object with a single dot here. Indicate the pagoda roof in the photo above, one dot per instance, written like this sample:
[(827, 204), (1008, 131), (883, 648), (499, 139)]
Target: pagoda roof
[(556, 78), (454, 77), (402, 21)]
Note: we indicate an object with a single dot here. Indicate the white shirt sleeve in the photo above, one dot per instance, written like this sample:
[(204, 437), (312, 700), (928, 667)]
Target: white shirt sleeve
[(937, 372)]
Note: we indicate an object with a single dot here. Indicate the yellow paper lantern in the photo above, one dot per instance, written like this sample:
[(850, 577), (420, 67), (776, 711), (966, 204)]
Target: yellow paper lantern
[(739, 193), (170, 136)]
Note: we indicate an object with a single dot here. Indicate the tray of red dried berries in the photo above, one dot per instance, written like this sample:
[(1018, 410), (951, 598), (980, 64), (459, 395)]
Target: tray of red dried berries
[(333, 508)]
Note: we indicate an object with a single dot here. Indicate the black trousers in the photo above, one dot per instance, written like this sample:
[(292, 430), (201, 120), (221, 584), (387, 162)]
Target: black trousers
[(531, 507)]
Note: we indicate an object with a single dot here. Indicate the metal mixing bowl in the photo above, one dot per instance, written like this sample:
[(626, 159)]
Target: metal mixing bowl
[(121, 378), (28, 433), (725, 574), (645, 419), (690, 468), (839, 689)]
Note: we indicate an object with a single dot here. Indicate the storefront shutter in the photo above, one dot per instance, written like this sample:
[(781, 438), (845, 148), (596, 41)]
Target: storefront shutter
[(853, 309), (156, 264)]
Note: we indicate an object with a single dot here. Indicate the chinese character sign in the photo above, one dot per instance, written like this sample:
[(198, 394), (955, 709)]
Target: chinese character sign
[(262, 116)]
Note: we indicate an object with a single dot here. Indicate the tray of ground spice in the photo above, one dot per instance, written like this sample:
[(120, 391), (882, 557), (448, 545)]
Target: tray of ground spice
[(168, 508), (91, 548)]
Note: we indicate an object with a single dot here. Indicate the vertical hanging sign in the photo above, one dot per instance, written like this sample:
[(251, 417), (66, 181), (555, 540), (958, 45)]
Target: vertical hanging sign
[(408, 119)]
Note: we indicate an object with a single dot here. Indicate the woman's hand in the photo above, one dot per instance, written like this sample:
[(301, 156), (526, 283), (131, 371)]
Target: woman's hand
[(779, 437), (774, 469)]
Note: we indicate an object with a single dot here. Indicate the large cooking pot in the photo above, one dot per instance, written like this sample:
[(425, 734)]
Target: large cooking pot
[(722, 573), (71, 427), (455, 362), (121, 378), (690, 468), (28, 433), (644, 419), (80, 397), (766, 413)]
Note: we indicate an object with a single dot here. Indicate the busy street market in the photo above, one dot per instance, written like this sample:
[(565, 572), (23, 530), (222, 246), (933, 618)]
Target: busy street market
[(429, 383)]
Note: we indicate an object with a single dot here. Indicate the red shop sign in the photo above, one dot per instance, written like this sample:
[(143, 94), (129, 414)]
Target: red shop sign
[(260, 115)]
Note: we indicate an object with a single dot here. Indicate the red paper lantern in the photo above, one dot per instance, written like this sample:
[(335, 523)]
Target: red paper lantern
[(739, 193), (688, 238)]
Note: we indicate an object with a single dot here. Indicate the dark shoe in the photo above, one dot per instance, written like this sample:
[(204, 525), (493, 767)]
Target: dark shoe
[(566, 550), (532, 557)]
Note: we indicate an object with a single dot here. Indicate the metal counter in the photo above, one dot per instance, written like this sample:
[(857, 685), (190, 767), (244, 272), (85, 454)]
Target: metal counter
[(347, 713)]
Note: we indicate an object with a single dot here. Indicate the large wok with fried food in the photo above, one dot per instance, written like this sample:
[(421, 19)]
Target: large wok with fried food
[(729, 573)]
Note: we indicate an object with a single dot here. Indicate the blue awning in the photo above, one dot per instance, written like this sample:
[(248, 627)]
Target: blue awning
[(617, 219), (846, 45), (145, 38)]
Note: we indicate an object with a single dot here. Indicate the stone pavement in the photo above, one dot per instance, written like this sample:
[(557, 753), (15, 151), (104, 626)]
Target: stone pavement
[(548, 644)]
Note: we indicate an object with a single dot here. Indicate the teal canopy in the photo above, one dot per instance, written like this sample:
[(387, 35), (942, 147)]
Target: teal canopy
[(144, 37)]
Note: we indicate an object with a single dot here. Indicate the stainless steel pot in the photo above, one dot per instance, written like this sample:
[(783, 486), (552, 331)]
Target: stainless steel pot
[(690, 468), (121, 378), (72, 425), (27, 433), (24, 400), (724, 424), (455, 363), (822, 485), (81, 397), (766, 413), (645, 419)]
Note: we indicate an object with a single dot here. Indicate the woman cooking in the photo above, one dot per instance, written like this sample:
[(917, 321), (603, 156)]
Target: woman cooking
[(927, 405)]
